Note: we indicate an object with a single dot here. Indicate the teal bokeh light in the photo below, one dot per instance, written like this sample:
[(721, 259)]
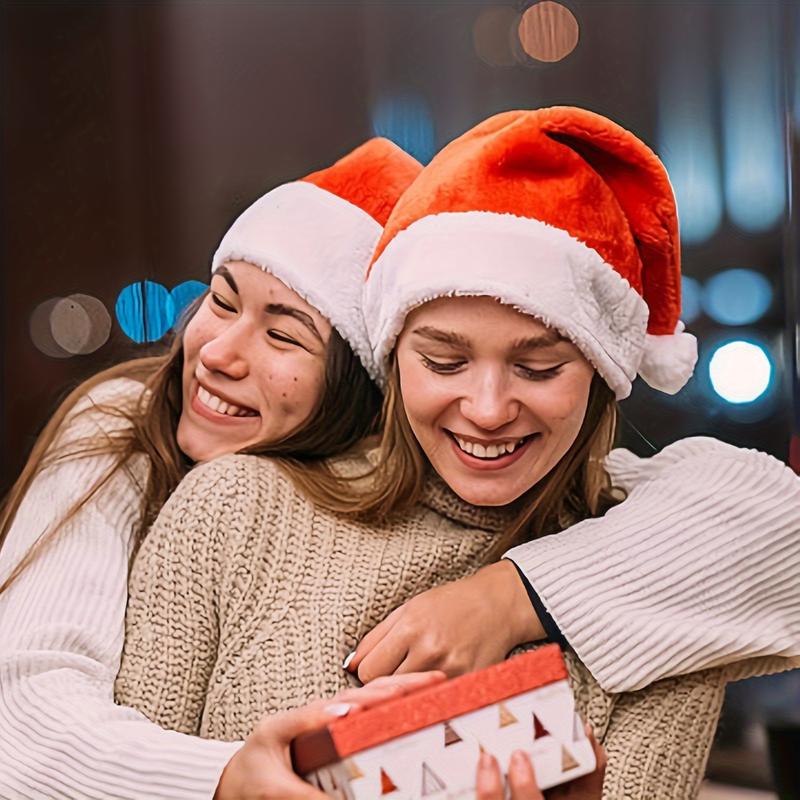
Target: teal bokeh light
[(145, 311)]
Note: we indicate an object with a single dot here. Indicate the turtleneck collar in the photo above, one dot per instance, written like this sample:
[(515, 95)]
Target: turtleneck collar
[(439, 497)]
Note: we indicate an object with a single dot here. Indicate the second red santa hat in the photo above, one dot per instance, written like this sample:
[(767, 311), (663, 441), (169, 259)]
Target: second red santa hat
[(560, 213)]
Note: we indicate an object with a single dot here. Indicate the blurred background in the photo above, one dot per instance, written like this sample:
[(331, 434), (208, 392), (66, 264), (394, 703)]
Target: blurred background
[(134, 133)]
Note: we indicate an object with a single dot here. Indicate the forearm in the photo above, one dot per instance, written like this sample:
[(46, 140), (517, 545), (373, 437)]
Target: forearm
[(659, 738), (697, 568)]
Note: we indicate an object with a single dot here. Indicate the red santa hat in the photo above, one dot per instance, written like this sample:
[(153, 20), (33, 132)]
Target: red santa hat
[(318, 234), (560, 213)]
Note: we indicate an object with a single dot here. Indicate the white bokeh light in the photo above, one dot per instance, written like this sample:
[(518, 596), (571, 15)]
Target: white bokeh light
[(740, 371)]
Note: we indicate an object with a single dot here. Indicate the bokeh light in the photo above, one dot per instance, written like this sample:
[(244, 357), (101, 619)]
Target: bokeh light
[(686, 133), (493, 35), (691, 293), (752, 128), (737, 296), (740, 371), (145, 311), (548, 31), (80, 324), (406, 119), (41, 332), (184, 294)]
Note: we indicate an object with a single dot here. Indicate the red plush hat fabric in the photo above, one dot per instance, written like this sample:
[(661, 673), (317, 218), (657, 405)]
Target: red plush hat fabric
[(318, 234), (371, 177), (560, 212)]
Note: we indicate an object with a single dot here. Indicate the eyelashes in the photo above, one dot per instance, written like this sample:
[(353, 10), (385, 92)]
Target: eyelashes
[(217, 300), (450, 367)]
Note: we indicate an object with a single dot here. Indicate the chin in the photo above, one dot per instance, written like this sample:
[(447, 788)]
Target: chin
[(491, 496)]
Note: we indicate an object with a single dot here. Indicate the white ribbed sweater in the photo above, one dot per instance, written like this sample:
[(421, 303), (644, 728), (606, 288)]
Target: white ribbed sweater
[(707, 549)]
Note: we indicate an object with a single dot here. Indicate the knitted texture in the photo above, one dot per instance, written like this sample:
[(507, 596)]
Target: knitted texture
[(245, 598)]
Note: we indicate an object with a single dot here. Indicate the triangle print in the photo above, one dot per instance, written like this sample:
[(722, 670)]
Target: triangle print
[(506, 717), (431, 782), (450, 736), (539, 730), (387, 784), (568, 761), (353, 772)]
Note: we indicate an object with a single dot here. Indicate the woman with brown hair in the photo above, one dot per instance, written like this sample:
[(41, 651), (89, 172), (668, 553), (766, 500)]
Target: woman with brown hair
[(273, 359), (523, 281)]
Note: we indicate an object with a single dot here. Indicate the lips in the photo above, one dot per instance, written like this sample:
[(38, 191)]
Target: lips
[(220, 410), (490, 462)]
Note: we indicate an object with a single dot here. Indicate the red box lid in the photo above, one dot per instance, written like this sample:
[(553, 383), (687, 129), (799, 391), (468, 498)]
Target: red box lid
[(364, 729)]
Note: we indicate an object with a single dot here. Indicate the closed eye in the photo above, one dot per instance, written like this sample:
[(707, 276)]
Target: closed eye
[(217, 300), (441, 366), (539, 374), (282, 337)]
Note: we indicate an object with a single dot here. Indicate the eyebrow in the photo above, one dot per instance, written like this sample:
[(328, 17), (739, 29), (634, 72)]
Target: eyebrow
[(443, 337), (548, 339), (224, 272), (300, 316)]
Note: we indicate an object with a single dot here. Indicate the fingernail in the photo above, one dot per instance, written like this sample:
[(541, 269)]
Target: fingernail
[(518, 758), (588, 728), (338, 709), (348, 659), (485, 760)]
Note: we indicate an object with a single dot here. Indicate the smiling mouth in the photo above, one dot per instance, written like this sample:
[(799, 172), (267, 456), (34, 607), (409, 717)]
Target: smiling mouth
[(491, 452), (220, 406)]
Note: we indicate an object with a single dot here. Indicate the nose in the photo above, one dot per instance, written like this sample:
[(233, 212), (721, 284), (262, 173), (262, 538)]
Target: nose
[(226, 353), (489, 403)]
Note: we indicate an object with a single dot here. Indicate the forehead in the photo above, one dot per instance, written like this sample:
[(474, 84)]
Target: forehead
[(256, 285), (478, 318)]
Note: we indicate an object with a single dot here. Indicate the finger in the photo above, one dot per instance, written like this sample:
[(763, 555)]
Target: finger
[(384, 658), (488, 781), (522, 778), (383, 689), (599, 752), (283, 727), (370, 641)]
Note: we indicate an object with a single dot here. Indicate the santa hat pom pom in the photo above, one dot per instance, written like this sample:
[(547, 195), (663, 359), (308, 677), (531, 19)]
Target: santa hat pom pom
[(668, 361)]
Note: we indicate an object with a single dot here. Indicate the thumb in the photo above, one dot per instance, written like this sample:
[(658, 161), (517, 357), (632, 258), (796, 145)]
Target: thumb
[(283, 727)]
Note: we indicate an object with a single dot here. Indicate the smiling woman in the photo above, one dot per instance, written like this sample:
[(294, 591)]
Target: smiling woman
[(274, 359), (254, 358)]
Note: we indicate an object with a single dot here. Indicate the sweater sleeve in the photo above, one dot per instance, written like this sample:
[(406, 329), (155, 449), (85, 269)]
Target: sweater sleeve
[(61, 628), (698, 567), (175, 611), (658, 739)]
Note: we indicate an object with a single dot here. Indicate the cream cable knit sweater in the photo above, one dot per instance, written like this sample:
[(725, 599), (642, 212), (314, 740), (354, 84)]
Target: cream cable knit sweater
[(62, 622), (245, 598)]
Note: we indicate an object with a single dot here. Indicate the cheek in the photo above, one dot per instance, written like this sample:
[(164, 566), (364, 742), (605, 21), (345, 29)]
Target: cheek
[(292, 388), (423, 396), (200, 329)]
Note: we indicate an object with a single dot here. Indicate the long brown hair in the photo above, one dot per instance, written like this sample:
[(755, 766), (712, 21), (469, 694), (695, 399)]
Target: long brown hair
[(347, 412), (577, 488)]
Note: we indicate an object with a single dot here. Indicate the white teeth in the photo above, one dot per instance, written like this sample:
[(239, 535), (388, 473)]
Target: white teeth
[(221, 406), (487, 451)]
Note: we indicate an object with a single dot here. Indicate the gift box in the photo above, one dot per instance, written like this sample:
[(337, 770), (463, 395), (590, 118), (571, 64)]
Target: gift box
[(427, 744)]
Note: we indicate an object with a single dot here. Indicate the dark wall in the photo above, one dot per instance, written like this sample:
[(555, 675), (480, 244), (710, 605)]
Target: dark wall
[(134, 132)]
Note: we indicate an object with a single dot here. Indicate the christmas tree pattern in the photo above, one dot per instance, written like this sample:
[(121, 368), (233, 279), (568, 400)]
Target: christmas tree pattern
[(539, 730), (353, 772), (431, 782), (567, 760), (387, 784), (450, 736), (506, 717)]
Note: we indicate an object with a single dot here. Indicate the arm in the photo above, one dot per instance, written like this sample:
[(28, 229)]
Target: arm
[(61, 628), (658, 739), (698, 567), (180, 590)]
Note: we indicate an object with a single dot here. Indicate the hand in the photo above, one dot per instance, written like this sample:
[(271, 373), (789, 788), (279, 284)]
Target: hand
[(522, 779), (459, 627), (262, 768)]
